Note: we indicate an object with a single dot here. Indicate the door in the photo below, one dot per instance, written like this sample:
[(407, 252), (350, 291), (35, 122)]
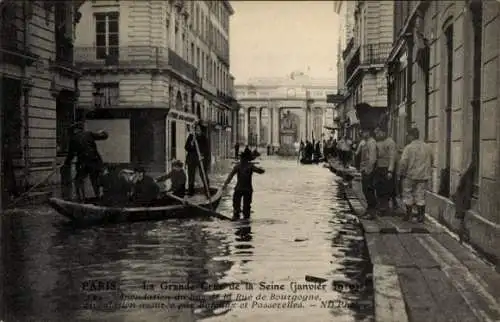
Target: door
[(142, 135)]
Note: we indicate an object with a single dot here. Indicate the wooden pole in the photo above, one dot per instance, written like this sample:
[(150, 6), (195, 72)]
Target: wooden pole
[(202, 169)]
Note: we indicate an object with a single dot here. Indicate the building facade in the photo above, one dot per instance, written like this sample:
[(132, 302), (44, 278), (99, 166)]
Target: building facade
[(38, 92), (280, 112), (361, 66), (444, 80), (151, 68)]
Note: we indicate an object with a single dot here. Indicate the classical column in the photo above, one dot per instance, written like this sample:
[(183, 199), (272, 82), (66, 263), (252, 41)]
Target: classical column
[(276, 126), (245, 125), (270, 119), (259, 110)]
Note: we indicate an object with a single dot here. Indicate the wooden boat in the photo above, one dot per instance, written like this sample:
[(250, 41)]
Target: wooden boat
[(91, 212)]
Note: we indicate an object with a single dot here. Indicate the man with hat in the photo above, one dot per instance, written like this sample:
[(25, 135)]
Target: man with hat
[(193, 160), (415, 169), (384, 172), (368, 160), (89, 162), (177, 178)]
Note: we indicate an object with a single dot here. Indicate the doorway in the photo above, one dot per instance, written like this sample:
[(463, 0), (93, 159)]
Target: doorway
[(11, 137), (65, 115), (142, 133)]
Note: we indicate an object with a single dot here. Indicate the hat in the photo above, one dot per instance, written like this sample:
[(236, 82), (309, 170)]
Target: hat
[(246, 155), (140, 169), (177, 163)]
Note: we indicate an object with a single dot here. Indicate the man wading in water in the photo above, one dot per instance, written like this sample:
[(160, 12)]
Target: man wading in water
[(89, 162), (244, 188)]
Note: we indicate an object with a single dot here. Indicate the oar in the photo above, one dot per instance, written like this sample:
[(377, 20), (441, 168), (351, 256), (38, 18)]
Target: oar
[(184, 201), (24, 194)]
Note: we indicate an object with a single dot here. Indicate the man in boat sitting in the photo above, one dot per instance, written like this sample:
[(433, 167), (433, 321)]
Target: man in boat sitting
[(89, 162), (145, 190), (117, 186), (193, 160), (244, 189), (177, 178)]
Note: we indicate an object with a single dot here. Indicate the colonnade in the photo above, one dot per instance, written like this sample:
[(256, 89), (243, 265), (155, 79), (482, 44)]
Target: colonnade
[(261, 126)]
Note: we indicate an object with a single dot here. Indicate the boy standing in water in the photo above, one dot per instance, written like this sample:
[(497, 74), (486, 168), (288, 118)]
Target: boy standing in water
[(244, 189)]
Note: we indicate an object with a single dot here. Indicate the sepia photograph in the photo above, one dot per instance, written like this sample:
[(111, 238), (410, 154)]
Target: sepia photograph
[(243, 161)]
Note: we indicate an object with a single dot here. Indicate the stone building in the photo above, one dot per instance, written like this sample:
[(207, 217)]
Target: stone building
[(38, 92), (151, 68), (444, 80), (363, 94), (282, 111)]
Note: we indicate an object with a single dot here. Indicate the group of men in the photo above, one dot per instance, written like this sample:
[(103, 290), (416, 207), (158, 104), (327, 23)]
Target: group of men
[(383, 175), (310, 150), (113, 186)]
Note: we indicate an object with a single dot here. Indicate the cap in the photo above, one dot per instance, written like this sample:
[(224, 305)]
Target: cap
[(246, 155), (139, 168)]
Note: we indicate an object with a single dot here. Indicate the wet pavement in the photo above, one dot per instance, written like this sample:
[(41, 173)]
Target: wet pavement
[(301, 256)]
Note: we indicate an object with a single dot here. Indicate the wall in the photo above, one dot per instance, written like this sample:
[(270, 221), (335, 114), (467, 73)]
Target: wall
[(116, 149), (482, 222)]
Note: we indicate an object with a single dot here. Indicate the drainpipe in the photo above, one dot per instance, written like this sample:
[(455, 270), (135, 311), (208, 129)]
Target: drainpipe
[(409, 79), (25, 90)]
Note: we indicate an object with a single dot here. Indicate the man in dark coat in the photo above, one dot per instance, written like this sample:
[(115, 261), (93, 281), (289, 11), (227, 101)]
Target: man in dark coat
[(236, 150), (145, 188), (89, 162), (192, 158)]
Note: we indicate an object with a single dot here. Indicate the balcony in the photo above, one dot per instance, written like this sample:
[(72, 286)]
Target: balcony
[(371, 55), (182, 67), (134, 58), (64, 62)]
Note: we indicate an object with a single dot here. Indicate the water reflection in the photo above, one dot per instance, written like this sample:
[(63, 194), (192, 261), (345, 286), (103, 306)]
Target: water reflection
[(300, 226)]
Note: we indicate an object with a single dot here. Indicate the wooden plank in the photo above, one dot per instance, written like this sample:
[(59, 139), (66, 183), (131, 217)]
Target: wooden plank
[(377, 251), (420, 305), (394, 248), (485, 305), (450, 301), (399, 226), (389, 301), (419, 254)]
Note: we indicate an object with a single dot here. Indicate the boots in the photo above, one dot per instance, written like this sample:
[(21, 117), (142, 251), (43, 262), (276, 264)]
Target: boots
[(420, 213), (236, 215), (409, 213)]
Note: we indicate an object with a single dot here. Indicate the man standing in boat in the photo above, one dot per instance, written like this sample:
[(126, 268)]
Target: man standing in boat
[(89, 162), (193, 159)]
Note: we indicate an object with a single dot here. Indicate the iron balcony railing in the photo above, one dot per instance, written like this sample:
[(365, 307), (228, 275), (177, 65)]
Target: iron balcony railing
[(148, 57), (367, 55)]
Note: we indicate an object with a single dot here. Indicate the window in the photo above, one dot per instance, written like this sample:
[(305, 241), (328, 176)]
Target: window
[(106, 95), (192, 59), (107, 35), (173, 140), (197, 62), (476, 95), (445, 174)]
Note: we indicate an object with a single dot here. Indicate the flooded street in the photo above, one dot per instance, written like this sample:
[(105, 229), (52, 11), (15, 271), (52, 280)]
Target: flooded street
[(301, 232)]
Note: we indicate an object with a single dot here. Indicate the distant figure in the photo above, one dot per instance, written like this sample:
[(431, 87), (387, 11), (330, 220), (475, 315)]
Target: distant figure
[(415, 169), (244, 188), (344, 146), (193, 159), (177, 178), (268, 149), (236, 151), (145, 189), (89, 162)]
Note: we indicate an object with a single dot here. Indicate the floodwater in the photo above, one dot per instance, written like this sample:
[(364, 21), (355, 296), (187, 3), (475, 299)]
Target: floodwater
[(301, 256)]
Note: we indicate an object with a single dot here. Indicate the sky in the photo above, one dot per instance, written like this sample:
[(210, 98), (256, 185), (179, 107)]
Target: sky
[(275, 38)]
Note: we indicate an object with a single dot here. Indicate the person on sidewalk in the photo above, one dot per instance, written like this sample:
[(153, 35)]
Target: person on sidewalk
[(344, 145), (368, 160), (236, 150), (192, 158), (244, 188), (415, 169), (383, 176)]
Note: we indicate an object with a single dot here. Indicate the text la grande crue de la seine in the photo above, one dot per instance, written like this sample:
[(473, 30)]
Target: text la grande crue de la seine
[(260, 286)]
